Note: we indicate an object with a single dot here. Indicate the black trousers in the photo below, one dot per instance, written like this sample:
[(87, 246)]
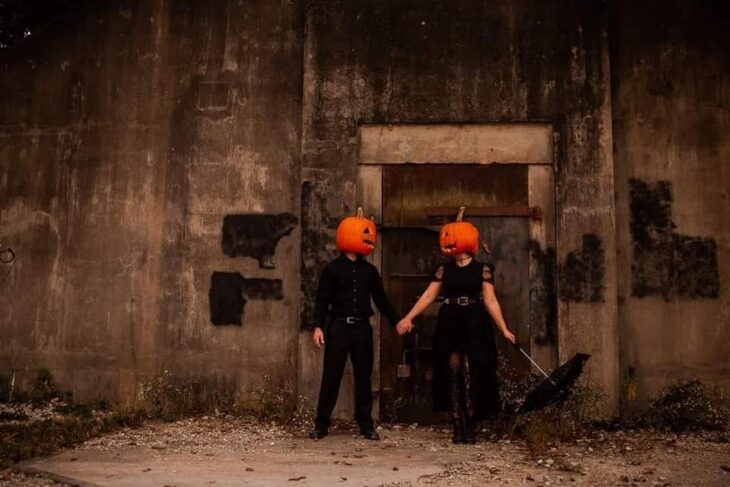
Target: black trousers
[(343, 339)]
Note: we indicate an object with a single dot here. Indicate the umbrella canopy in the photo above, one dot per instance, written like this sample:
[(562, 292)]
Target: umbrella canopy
[(556, 387)]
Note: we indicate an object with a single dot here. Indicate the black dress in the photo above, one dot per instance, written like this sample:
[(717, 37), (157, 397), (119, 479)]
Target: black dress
[(468, 330)]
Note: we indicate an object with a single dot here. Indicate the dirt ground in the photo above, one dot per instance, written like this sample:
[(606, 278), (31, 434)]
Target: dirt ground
[(227, 451)]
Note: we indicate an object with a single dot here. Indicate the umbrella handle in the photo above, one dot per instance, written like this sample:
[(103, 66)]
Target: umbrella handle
[(535, 364)]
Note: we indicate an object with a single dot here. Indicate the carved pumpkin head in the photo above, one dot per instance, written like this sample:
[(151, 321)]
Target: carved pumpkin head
[(356, 234), (459, 237)]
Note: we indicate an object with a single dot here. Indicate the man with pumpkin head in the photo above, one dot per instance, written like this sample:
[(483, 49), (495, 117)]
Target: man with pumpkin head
[(345, 289), (465, 353)]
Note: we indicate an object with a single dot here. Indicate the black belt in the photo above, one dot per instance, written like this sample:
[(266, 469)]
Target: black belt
[(350, 320), (462, 300)]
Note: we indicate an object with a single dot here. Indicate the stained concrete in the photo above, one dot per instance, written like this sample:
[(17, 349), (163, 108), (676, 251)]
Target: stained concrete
[(139, 126), (506, 143), (671, 93), (414, 62), (130, 130)]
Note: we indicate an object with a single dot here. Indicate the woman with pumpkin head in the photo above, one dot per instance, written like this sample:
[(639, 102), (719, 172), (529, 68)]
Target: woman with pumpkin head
[(345, 289), (465, 353)]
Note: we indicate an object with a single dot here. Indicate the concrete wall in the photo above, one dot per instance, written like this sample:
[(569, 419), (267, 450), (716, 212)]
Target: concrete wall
[(129, 131), (671, 94), (172, 172), (470, 62)]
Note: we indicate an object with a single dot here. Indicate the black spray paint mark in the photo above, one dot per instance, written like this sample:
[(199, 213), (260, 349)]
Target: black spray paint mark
[(581, 276), (543, 296), (666, 263), (229, 292), (255, 235)]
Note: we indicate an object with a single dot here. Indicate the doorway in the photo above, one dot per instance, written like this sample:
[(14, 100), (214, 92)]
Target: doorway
[(416, 200)]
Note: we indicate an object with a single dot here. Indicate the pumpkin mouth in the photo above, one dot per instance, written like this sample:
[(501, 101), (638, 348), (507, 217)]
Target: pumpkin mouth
[(450, 247), (369, 243)]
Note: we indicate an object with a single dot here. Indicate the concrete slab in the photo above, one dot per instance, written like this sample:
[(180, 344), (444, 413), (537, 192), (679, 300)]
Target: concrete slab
[(227, 452), (340, 459)]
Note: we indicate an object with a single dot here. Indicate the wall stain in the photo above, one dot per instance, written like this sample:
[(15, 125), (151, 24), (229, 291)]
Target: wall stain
[(582, 273), (229, 292), (666, 263), (317, 230), (256, 235), (543, 295)]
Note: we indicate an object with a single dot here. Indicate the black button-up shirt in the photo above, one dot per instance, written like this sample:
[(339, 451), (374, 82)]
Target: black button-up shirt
[(347, 287)]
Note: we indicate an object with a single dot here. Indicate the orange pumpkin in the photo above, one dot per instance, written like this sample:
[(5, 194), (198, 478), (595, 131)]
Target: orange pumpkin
[(356, 234), (459, 237)]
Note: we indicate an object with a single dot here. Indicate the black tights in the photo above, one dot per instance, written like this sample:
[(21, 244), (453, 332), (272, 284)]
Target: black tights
[(461, 401)]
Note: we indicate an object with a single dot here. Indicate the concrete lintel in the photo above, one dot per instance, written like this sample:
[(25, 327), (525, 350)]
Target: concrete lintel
[(505, 143)]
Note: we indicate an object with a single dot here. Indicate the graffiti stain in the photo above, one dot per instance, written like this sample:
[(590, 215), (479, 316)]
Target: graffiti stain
[(582, 273), (256, 235), (666, 263), (229, 292)]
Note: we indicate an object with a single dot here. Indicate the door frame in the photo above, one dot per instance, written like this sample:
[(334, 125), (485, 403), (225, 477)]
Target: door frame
[(530, 143)]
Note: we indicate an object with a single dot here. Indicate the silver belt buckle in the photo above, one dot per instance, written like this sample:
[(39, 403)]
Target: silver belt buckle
[(350, 320), (462, 300)]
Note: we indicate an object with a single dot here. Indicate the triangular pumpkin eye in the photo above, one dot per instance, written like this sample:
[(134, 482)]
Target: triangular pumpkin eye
[(367, 231)]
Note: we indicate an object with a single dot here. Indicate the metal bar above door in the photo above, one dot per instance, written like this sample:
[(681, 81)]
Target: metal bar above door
[(533, 212)]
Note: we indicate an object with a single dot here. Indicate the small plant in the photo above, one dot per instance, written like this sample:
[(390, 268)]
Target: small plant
[(690, 406), (564, 421), (42, 390), (163, 397)]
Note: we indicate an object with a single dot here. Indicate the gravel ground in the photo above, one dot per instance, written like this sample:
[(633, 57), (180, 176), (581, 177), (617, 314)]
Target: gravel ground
[(236, 451), (10, 478)]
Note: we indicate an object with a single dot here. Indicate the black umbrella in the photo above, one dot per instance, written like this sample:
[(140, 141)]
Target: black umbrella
[(556, 386)]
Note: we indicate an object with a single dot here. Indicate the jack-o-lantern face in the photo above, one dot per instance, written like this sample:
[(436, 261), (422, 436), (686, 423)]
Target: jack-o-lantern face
[(459, 237), (356, 234)]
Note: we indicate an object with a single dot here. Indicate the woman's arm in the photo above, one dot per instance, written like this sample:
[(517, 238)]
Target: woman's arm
[(428, 297), (495, 311)]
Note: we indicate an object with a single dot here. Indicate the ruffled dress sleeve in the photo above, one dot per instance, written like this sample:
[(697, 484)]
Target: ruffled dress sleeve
[(438, 274), (488, 273)]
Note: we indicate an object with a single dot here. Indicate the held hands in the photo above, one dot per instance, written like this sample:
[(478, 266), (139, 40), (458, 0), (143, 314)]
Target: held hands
[(318, 337), (404, 326)]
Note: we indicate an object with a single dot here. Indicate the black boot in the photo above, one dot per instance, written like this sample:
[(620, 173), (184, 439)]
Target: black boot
[(458, 436), (470, 430), (456, 412), (318, 433), (370, 434)]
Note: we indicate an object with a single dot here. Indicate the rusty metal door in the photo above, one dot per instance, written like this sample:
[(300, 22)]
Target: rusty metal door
[(416, 201)]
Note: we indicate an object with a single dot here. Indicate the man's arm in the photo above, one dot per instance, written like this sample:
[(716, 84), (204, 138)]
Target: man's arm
[(323, 297), (321, 306), (381, 300)]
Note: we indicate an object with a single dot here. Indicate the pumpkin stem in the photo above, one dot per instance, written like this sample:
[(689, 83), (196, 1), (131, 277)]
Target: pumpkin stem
[(461, 213), (359, 212)]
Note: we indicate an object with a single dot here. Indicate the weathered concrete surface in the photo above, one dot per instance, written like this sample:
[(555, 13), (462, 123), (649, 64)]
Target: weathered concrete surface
[(234, 452), (671, 109), (467, 62), (507, 143), (128, 132), (141, 143)]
